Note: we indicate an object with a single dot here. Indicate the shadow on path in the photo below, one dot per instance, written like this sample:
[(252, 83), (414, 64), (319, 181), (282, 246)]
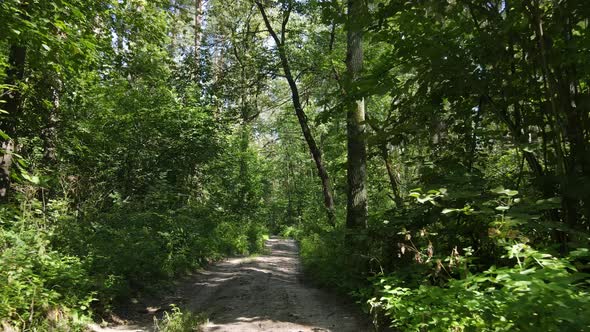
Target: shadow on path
[(264, 293)]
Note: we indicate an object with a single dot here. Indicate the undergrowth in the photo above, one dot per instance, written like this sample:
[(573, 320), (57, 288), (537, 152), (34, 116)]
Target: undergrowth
[(410, 281), (57, 271), (180, 321)]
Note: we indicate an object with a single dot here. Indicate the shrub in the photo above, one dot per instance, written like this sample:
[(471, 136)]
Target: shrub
[(39, 284), (179, 321), (257, 235), (540, 291)]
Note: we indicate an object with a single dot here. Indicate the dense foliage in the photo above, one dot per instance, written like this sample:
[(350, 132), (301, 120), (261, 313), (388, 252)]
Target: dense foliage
[(131, 181), (432, 157)]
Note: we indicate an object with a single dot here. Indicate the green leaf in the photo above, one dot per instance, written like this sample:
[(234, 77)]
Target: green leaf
[(33, 179), (511, 192), (447, 211), (498, 190), (501, 191), (423, 200)]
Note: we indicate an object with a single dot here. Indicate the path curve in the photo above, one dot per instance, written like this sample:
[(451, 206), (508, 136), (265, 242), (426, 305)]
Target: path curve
[(264, 293)]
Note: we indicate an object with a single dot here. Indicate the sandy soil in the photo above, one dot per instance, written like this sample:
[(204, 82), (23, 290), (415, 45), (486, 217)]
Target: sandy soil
[(263, 293)]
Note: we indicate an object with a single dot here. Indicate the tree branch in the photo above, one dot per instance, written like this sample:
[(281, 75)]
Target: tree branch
[(272, 32), (286, 16)]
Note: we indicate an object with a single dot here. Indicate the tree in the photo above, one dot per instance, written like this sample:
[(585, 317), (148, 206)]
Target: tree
[(356, 212), (296, 99)]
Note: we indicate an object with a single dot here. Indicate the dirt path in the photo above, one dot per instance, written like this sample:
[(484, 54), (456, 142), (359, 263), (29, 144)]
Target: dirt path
[(262, 293)]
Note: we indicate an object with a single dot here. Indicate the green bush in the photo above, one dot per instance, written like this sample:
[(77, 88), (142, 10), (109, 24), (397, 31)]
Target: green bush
[(326, 262), (540, 292), (525, 290), (292, 232), (55, 268), (257, 235), (39, 285)]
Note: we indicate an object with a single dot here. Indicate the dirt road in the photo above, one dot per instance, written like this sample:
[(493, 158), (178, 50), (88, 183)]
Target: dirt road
[(263, 293)]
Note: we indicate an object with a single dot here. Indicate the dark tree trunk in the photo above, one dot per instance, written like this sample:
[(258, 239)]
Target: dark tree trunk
[(566, 121), (578, 171), (301, 116)]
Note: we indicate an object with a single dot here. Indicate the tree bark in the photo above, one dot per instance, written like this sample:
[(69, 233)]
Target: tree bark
[(357, 210), (301, 116)]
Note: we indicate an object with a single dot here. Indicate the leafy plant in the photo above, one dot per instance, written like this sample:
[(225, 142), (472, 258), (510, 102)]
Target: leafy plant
[(538, 289), (179, 321)]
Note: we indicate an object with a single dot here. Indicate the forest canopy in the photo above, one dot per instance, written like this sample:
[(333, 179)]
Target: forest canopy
[(431, 157)]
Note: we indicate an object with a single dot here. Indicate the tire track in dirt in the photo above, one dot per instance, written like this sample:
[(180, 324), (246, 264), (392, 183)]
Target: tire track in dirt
[(262, 293)]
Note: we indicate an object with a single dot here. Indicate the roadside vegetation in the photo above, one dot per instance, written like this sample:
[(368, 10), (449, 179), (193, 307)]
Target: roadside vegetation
[(431, 157)]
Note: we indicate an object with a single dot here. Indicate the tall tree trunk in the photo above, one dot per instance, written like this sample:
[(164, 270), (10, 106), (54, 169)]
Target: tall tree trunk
[(566, 121), (301, 116), (9, 123), (356, 213), (578, 165)]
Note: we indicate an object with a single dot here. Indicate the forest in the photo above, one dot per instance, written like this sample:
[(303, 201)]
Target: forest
[(431, 158)]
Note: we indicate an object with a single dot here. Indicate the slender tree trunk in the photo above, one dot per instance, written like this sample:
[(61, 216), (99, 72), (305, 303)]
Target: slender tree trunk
[(579, 169), (392, 178), (567, 132), (546, 188), (356, 213), (301, 116)]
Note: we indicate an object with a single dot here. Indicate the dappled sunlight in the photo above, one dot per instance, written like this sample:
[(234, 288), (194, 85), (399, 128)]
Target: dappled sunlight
[(264, 293)]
